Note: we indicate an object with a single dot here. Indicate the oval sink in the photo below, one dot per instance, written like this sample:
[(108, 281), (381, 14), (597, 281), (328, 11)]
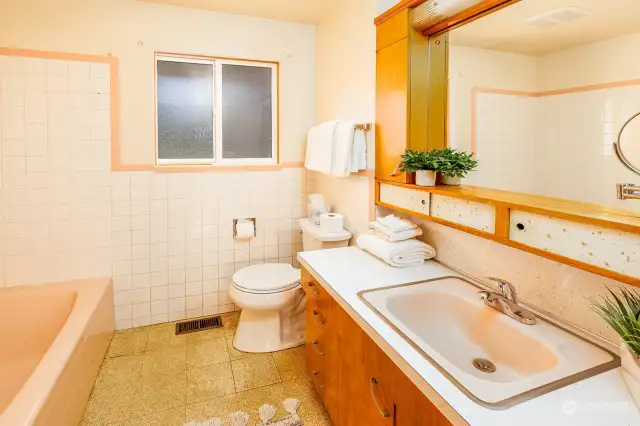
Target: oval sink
[(495, 360)]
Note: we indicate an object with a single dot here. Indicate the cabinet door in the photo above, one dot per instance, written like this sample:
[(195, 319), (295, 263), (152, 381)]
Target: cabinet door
[(356, 405), (411, 407), (392, 100)]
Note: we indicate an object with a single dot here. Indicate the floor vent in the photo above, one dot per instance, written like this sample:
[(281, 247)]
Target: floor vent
[(199, 324)]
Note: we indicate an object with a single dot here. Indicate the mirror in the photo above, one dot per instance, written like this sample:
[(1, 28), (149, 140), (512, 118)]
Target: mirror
[(540, 91), (628, 144)]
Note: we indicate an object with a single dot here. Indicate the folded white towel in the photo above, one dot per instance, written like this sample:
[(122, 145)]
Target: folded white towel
[(343, 148), (398, 254), (377, 228), (320, 147), (396, 224)]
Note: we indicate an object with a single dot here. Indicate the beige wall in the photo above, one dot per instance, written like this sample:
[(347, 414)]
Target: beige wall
[(607, 61), (133, 30), (346, 65)]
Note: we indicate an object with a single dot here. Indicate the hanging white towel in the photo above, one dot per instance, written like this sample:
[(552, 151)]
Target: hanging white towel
[(359, 151), (399, 254), (343, 148), (320, 143)]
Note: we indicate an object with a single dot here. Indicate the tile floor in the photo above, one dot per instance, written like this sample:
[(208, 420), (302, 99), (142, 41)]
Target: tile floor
[(153, 377)]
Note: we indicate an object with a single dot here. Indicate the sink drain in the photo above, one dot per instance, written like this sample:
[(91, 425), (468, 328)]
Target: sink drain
[(484, 365)]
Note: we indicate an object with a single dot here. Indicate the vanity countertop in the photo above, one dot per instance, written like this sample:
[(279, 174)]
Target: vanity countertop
[(600, 400)]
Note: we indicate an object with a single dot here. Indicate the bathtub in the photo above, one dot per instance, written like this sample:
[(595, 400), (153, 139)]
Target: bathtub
[(53, 338)]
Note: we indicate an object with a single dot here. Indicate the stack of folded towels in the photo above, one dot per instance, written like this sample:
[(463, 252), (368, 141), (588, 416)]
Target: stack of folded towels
[(392, 239)]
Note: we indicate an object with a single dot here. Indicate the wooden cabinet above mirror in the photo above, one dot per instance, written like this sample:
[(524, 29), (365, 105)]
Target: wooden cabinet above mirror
[(514, 83)]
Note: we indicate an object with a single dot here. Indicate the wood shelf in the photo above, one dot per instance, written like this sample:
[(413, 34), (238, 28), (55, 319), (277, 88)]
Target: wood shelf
[(505, 201)]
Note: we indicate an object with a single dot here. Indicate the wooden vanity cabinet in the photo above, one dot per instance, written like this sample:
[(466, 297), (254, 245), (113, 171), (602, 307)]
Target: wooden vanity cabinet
[(358, 383)]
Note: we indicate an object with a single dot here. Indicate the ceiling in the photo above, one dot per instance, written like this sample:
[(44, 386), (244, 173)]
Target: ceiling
[(309, 11), (507, 29)]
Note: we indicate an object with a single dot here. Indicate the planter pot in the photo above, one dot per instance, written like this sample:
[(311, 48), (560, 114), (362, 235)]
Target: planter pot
[(426, 178), (451, 180), (630, 371)]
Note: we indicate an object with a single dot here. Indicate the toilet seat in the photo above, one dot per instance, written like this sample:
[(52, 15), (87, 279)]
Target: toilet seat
[(268, 278)]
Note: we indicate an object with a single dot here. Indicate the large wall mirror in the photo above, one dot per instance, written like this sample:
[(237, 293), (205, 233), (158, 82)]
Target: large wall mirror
[(540, 91)]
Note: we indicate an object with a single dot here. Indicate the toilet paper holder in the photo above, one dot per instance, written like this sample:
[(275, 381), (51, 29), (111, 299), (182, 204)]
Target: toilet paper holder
[(235, 226)]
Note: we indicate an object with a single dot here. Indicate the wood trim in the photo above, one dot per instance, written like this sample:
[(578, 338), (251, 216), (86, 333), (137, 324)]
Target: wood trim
[(484, 8), (502, 223), (398, 8)]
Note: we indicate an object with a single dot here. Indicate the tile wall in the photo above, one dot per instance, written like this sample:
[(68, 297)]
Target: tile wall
[(166, 239)]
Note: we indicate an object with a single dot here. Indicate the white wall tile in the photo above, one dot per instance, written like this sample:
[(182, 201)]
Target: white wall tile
[(165, 239)]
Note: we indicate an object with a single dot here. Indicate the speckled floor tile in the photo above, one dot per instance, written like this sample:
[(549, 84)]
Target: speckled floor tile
[(167, 360), (195, 377), (217, 407), (235, 354), (213, 333), (254, 372), (207, 352), (164, 335), (159, 393), (291, 363), (171, 417), (116, 372), (209, 382), (128, 342), (108, 406), (230, 322)]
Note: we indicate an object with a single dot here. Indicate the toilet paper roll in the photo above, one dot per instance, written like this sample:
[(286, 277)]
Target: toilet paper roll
[(245, 229), (331, 222)]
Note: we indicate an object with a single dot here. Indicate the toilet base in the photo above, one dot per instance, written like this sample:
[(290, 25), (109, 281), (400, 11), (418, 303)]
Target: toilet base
[(261, 331)]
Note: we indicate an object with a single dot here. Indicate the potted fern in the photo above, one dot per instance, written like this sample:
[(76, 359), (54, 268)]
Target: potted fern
[(622, 313), (454, 165), (423, 163)]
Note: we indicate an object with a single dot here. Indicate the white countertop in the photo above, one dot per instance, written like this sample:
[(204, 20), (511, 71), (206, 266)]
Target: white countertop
[(602, 400)]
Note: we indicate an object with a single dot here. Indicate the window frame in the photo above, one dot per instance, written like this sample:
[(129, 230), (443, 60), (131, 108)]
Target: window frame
[(217, 136)]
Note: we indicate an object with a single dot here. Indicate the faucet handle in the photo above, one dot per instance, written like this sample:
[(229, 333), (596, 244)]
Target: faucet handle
[(507, 289)]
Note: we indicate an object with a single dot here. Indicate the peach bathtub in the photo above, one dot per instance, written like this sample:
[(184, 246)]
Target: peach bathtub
[(53, 338)]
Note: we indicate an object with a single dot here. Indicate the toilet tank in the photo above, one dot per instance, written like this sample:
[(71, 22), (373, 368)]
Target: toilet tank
[(313, 238)]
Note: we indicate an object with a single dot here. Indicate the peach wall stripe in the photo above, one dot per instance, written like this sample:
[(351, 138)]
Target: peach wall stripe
[(64, 56), (115, 114)]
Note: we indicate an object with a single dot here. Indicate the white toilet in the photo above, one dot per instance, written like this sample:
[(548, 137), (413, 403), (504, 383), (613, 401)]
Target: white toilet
[(272, 300)]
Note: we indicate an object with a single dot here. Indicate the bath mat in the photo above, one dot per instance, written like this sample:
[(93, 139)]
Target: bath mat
[(266, 413)]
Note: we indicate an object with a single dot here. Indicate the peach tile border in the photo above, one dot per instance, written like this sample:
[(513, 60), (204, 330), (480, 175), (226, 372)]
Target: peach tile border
[(476, 90), (116, 161)]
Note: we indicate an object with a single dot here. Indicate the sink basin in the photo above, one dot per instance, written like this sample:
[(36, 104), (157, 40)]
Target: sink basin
[(493, 359)]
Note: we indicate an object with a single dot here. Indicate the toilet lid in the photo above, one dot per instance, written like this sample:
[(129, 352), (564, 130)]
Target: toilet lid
[(267, 278)]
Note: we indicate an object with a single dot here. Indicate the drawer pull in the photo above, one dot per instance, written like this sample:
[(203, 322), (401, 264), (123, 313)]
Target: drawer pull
[(318, 317), (317, 346), (313, 290), (374, 385), (316, 374)]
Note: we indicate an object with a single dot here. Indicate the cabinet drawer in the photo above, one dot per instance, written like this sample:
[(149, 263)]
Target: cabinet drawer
[(405, 198)]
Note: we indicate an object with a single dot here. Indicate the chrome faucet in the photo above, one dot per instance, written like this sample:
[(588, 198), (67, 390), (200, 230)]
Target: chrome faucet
[(507, 302)]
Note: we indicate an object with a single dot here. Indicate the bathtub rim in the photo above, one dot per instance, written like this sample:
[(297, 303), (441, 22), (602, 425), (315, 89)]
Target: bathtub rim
[(29, 401)]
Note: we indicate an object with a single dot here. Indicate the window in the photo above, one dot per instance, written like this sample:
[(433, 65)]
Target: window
[(215, 111)]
